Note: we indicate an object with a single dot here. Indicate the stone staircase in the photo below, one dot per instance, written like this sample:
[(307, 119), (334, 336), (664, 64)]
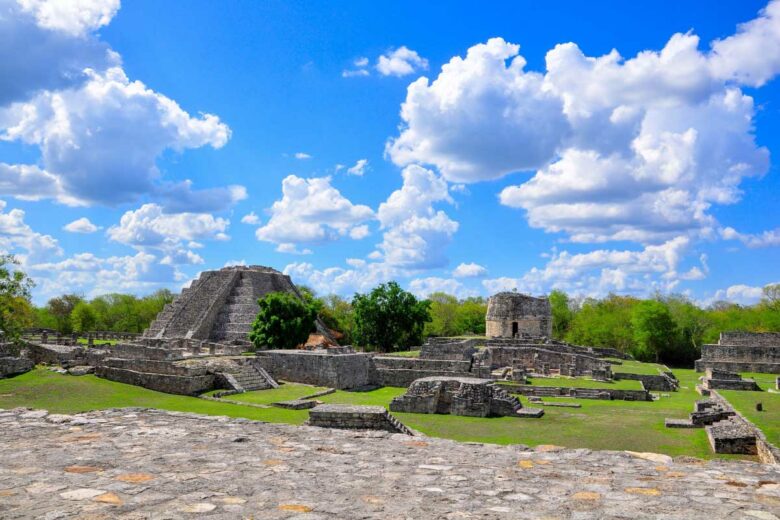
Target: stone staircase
[(248, 377), (235, 319)]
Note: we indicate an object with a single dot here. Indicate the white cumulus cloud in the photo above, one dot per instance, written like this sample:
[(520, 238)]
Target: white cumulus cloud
[(81, 225), (400, 62), (312, 211), (470, 270)]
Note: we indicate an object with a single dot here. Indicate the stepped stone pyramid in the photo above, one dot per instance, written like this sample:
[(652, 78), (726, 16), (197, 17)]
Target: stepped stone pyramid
[(220, 306)]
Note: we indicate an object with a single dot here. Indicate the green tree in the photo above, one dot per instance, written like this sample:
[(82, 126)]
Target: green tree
[(654, 329), (83, 317), (336, 313), (562, 314), (470, 316), (604, 323), (16, 312), (284, 321), (444, 315), (60, 308), (389, 318)]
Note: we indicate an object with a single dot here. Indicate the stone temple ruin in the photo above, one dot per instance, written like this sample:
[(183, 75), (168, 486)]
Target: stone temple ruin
[(220, 306), (461, 396), (742, 352), (513, 315)]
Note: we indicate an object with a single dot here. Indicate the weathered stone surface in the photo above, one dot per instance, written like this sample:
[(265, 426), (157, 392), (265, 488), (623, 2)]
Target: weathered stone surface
[(282, 471), (513, 315), (342, 371), (742, 352), (355, 417), (459, 396), (81, 370)]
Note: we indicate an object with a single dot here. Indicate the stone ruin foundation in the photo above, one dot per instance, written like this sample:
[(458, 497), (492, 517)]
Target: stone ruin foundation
[(460, 396), (715, 379), (354, 417), (742, 352)]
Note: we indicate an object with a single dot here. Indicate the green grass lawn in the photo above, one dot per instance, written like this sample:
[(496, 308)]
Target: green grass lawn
[(637, 367), (405, 353), (84, 341), (58, 393), (581, 382), (286, 392), (617, 425), (768, 419), (765, 381)]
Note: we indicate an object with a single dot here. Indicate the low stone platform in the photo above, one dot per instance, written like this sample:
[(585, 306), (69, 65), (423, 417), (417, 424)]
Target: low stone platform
[(139, 464), (296, 404), (355, 417)]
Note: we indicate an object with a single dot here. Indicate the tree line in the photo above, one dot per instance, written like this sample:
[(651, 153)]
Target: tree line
[(667, 328)]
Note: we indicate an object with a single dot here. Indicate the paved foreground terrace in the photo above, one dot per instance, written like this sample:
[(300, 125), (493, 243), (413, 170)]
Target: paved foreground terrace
[(133, 463)]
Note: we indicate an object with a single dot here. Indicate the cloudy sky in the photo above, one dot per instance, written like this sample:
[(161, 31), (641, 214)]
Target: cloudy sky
[(591, 148)]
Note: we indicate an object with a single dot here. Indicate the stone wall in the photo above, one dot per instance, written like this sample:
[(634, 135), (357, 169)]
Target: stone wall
[(138, 351), (533, 358), (740, 358), (342, 371), (580, 393), (750, 339), (11, 366), (659, 383), (448, 348), (355, 418), (55, 354), (171, 384)]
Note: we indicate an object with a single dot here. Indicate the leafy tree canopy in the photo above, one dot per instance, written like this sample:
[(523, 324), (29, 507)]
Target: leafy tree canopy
[(283, 321), (16, 312), (389, 318)]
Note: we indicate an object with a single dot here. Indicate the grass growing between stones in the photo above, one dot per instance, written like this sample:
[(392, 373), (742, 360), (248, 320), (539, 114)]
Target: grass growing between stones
[(768, 419), (616, 425), (637, 367), (84, 341), (286, 392), (765, 381), (581, 382), (608, 425), (58, 393), (405, 353)]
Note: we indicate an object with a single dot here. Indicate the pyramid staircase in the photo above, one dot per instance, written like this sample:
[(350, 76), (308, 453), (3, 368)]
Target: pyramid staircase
[(235, 319), (248, 377)]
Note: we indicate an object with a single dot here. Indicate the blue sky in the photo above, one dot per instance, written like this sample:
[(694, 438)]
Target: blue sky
[(590, 148)]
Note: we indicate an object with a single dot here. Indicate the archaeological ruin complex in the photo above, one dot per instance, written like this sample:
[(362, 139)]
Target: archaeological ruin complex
[(198, 344), (512, 315)]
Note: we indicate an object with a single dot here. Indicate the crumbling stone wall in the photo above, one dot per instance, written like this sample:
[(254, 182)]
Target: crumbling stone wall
[(11, 366), (514, 314), (659, 383), (581, 393), (169, 383), (448, 348), (457, 396)]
